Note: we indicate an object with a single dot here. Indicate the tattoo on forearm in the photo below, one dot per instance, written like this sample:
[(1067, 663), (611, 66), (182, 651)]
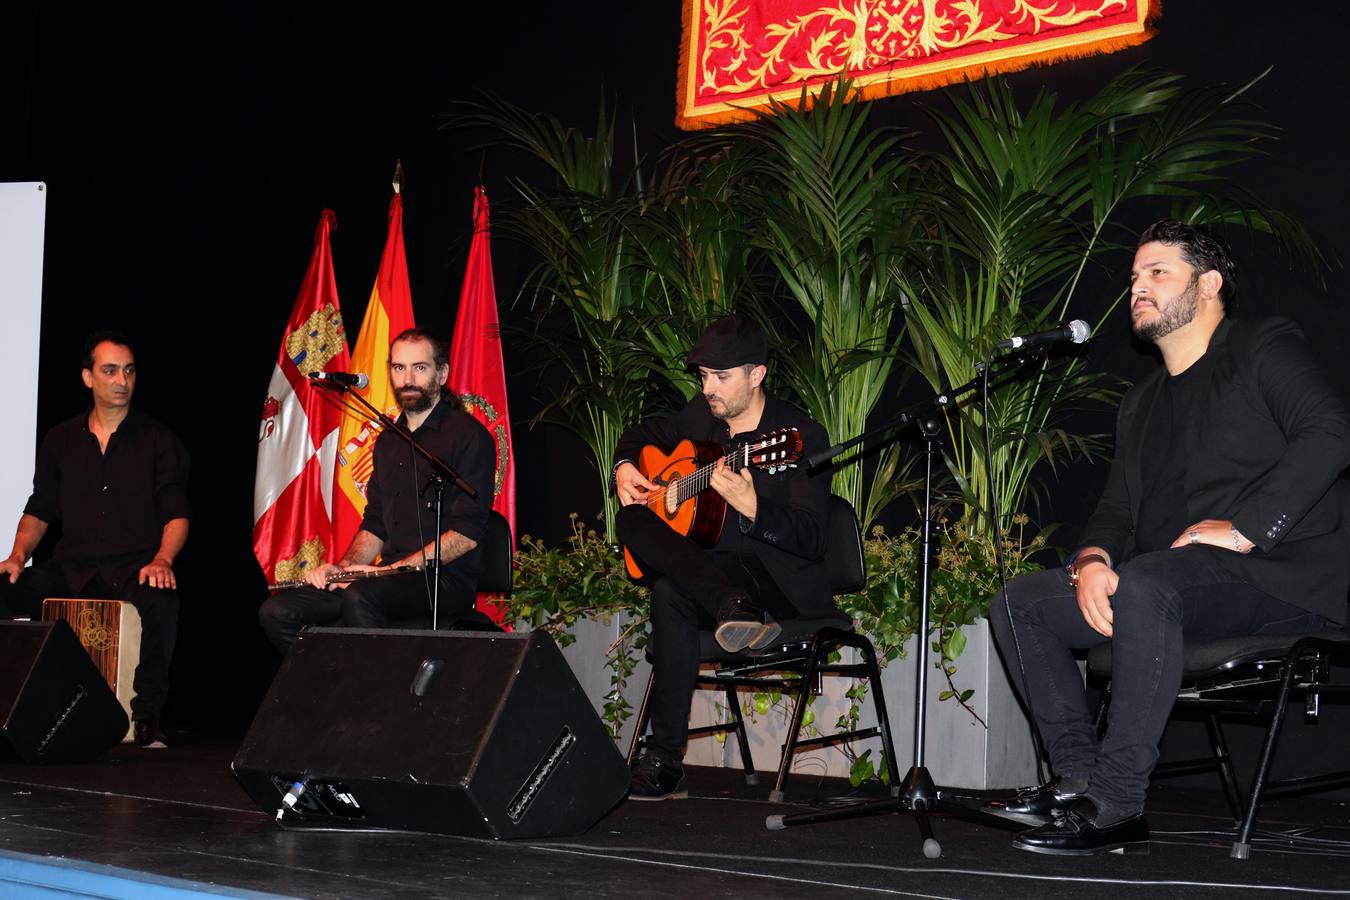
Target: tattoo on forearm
[(454, 545)]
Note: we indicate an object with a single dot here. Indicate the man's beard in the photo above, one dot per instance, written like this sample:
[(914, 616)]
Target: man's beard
[(1180, 312), (413, 399), (728, 411)]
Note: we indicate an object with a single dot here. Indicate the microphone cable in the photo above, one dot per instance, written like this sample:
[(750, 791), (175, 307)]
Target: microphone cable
[(997, 529)]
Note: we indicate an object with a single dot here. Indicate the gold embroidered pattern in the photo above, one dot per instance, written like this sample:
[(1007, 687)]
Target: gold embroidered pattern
[(321, 338), (310, 556), (737, 50), (472, 402)]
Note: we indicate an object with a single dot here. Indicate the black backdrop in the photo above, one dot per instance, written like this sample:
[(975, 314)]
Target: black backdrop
[(188, 152)]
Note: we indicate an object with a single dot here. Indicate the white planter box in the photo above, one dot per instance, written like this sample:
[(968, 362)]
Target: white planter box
[(959, 752), (588, 661)]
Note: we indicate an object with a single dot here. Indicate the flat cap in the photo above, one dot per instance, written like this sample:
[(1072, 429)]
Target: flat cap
[(728, 342)]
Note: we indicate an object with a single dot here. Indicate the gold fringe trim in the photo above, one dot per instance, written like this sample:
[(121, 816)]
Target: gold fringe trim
[(901, 84)]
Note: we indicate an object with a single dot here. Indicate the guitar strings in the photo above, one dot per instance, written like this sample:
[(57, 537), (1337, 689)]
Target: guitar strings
[(700, 477)]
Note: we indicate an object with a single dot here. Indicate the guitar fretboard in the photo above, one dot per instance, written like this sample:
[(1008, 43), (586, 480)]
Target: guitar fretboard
[(699, 479)]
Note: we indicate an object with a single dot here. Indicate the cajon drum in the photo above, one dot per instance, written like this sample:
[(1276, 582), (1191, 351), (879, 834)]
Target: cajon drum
[(110, 631)]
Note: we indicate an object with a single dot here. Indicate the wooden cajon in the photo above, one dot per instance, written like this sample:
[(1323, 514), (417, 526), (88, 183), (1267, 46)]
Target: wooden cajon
[(110, 631)]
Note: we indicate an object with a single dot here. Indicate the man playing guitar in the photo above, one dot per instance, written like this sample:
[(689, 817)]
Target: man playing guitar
[(767, 561)]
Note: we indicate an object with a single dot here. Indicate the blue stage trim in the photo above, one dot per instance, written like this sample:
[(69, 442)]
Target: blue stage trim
[(25, 876)]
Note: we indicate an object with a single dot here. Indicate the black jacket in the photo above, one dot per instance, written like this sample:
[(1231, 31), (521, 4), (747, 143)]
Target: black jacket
[(1263, 450), (788, 533)]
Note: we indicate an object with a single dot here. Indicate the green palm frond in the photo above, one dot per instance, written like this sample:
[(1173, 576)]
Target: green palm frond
[(1021, 199)]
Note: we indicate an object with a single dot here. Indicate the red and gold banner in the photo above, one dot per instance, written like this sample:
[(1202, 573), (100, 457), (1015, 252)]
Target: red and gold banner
[(477, 371), (737, 55)]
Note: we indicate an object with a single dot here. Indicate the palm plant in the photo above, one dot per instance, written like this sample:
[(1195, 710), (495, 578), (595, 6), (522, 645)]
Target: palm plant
[(830, 204), (1017, 205), (690, 236), (585, 277)]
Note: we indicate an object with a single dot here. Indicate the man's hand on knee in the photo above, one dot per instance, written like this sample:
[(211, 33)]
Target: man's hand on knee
[(11, 568), (158, 573), (1096, 585)]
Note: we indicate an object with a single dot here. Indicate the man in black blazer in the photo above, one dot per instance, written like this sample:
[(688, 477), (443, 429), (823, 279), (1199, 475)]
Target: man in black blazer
[(1221, 516), (768, 561)]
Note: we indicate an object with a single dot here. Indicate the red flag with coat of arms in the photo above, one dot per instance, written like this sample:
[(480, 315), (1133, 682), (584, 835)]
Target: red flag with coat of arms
[(477, 373), (297, 440)]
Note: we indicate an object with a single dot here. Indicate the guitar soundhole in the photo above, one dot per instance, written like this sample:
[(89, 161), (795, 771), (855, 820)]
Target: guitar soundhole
[(671, 504)]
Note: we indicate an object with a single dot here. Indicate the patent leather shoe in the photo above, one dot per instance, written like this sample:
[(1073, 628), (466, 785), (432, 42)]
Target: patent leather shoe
[(1074, 833), (1037, 803)]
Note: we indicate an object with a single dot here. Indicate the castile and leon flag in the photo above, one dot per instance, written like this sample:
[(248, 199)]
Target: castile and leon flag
[(298, 434)]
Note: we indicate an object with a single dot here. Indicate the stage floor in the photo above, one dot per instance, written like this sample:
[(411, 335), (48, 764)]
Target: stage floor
[(179, 813)]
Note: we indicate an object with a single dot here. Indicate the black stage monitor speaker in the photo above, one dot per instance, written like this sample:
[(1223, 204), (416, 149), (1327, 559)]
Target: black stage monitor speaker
[(55, 706), (470, 733)]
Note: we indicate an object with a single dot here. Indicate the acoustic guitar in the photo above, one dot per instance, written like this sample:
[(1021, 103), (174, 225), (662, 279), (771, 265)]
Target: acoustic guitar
[(683, 498)]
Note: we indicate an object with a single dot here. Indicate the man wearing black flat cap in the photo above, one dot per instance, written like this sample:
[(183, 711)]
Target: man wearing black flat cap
[(768, 561)]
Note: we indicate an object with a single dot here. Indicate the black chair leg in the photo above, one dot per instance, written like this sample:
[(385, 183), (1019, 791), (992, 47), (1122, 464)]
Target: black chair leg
[(1103, 705), (1242, 847), (879, 705), (1219, 744), (798, 713), (742, 738)]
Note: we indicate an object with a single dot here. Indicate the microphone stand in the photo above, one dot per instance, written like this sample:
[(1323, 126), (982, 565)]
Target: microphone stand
[(441, 472), (918, 794)]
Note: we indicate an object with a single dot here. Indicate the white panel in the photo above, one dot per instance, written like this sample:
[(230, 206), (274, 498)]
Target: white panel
[(23, 210)]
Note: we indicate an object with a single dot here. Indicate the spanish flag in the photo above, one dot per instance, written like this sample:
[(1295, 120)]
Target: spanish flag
[(388, 313)]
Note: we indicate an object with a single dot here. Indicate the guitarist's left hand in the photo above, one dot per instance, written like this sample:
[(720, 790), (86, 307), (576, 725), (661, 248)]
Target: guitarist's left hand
[(737, 488)]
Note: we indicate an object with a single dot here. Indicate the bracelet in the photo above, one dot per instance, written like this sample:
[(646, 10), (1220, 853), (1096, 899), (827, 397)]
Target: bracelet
[(1075, 567), (1237, 539)]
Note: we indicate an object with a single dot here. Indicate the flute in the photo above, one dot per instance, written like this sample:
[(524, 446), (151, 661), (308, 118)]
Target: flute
[(349, 575)]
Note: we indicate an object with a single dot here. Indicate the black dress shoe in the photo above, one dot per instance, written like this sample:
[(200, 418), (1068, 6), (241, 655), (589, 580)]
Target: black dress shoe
[(741, 625), (1075, 834), (148, 734), (657, 778), (1037, 804)]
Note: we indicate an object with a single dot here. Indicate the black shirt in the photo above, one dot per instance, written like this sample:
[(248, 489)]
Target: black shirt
[(112, 505), (788, 533), (1163, 511), (406, 522)]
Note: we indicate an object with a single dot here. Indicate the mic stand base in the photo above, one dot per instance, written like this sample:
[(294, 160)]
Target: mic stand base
[(919, 797)]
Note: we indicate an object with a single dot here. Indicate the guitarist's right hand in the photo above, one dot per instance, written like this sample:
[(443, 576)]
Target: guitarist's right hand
[(630, 485)]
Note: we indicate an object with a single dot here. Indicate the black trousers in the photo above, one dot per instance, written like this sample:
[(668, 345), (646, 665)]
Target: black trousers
[(690, 586), (388, 602), (1163, 599), (158, 609)]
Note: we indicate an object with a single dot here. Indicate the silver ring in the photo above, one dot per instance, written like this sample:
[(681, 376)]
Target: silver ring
[(1195, 537)]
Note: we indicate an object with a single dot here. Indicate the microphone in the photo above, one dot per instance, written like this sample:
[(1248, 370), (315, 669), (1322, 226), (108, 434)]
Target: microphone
[(1074, 332), (356, 380)]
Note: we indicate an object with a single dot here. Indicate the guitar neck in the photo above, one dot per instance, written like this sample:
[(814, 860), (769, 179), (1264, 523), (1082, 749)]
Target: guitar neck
[(699, 479)]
